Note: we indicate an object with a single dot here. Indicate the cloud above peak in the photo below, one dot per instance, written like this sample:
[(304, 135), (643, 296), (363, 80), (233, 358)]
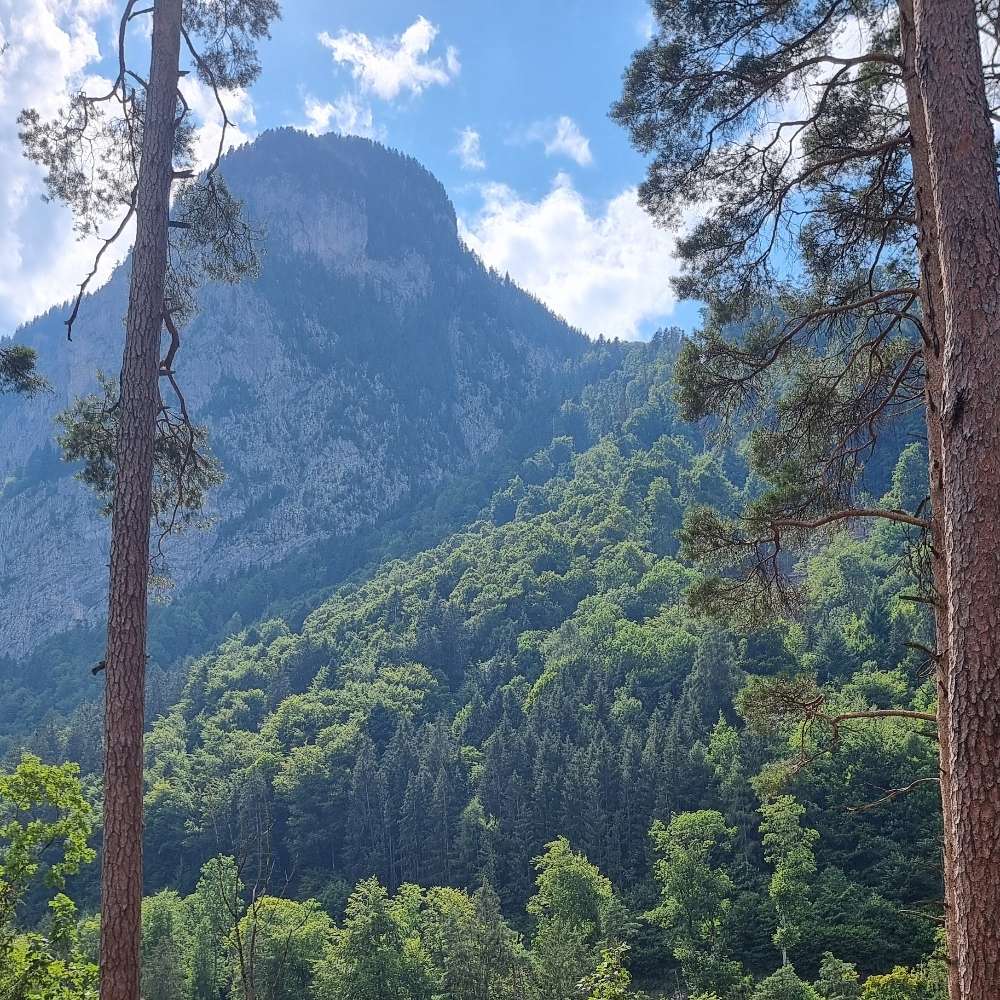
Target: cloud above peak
[(388, 68), (606, 271), (560, 137), (349, 115), (468, 149), (208, 134)]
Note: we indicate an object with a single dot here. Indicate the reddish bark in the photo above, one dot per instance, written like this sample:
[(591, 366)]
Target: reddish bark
[(121, 869), (932, 316), (967, 216)]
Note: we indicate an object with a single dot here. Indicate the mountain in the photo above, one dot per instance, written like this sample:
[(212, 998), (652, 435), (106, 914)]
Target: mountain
[(374, 360)]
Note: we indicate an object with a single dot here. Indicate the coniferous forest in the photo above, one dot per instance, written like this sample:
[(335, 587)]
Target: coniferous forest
[(373, 633)]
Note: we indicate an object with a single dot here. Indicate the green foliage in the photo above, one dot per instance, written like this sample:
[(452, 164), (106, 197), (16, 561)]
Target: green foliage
[(213, 913), (610, 980), (535, 682), (784, 985), (696, 895), (572, 890), (48, 965), (811, 348), (17, 371), (575, 913), (167, 947), (900, 984), (838, 980), (376, 954), (474, 954), (183, 468), (45, 825), (788, 848), (561, 957), (533, 688), (275, 946)]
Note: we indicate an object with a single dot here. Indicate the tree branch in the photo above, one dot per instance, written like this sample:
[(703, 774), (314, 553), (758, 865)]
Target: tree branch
[(853, 512), (85, 284), (892, 794)]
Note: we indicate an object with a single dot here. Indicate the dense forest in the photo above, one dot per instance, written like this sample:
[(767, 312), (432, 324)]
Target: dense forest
[(507, 663), (526, 721)]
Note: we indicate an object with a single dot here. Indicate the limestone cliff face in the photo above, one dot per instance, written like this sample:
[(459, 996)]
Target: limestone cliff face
[(373, 358)]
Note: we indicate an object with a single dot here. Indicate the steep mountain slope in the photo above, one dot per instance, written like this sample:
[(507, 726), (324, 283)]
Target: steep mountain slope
[(374, 358)]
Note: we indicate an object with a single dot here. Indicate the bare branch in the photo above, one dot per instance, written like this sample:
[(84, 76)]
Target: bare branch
[(855, 512), (894, 793), (85, 284)]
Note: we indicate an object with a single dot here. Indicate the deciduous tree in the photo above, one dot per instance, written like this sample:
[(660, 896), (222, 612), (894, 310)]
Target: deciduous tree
[(696, 896), (789, 849), (45, 826)]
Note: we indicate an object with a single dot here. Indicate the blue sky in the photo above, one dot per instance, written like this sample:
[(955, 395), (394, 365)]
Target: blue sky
[(521, 63), (505, 102)]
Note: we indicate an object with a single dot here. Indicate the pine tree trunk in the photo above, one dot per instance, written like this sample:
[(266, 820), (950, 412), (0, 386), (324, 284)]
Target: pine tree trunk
[(121, 868), (967, 214), (932, 310)]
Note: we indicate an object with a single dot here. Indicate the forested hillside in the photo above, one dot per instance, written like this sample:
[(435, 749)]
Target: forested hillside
[(410, 643), (537, 676)]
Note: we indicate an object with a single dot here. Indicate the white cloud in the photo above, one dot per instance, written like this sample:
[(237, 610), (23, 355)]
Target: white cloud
[(349, 116), (469, 151), (51, 45), (562, 137), (52, 48), (204, 107), (607, 272), (390, 67), (383, 68)]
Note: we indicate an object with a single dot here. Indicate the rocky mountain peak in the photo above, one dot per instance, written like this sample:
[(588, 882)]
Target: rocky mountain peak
[(374, 357)]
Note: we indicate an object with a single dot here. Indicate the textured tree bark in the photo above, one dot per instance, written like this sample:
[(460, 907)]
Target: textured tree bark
[(121, 863), (967, 215), (932, 310)]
